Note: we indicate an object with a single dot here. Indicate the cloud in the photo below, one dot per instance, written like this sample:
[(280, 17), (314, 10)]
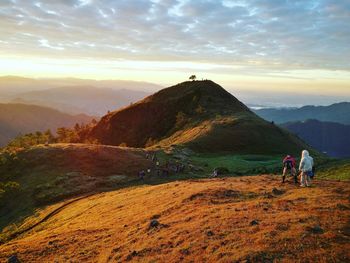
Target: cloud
[(275, 34)]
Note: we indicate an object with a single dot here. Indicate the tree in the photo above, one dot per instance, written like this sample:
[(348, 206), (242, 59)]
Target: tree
[(193, 77), (77, 127), (180, 119), (49, 136)]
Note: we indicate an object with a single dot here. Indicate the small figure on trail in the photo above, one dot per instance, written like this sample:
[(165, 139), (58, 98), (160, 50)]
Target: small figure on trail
[(305, 167), (158, 168), (142, 175), (289, 166), (165, 171), (215, 173), (182, 168), (177, 167), (154, 157)]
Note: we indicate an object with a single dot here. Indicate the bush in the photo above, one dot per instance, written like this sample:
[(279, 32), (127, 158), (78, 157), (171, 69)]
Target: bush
[(7, 191), (222, 170), (181, 119)]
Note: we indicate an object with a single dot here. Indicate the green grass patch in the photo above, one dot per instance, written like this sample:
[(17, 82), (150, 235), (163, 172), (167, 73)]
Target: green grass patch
[(334, 169), (239, 164)]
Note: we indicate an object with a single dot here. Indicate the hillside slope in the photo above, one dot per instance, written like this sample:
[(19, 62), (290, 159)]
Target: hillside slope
[(247, 219), (200, 115), (48, 174), (16, 118), (328, 137), (338, 112)]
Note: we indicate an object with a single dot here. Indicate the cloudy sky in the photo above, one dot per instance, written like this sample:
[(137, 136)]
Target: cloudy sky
[(280, 45)]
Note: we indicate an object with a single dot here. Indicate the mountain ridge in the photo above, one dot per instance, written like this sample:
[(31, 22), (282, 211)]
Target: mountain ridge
[(17, 118), (337, 112), (78, 99), (331, 138)]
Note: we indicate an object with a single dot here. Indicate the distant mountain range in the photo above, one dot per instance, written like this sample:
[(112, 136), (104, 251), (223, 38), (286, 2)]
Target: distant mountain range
[(339, 112), (200, 115), (328, 137), (12, 85), (74, 96), (326, 128), (18, 119), (78, 99)]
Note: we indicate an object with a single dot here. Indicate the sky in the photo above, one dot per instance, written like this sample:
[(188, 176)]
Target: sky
[(282, 47)]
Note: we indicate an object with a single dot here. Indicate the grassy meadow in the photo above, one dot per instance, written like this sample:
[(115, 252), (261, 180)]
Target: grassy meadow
[(44, 175), (239, 219)]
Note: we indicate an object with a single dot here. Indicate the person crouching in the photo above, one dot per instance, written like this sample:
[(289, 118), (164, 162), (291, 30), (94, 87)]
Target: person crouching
[(289, 166)]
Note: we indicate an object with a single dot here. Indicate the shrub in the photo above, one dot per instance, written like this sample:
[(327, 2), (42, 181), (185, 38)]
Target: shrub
[(222, 170), (7, 191), (180, 119)]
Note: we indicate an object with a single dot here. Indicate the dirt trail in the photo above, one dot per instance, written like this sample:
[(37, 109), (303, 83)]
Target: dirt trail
[(45, 218)]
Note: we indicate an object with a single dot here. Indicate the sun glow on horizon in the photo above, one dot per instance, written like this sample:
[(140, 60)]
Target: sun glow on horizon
[(166, 73), (282, 46)]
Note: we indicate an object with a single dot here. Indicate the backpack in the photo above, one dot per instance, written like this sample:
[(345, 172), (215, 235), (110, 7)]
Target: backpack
[(288, 164), (312, 173)]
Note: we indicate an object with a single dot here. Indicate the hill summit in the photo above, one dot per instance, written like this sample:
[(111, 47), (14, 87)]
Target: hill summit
[(200, 115)]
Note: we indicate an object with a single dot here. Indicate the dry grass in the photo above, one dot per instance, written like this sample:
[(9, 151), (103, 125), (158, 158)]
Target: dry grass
[(200, 221), (48, 174)]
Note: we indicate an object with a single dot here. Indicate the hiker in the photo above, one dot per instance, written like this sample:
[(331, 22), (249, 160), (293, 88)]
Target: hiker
[(157, 168), (289, 166), (305, 167), (177, 167), (142, 175), (154, 157), (165, 171), (182, 168)]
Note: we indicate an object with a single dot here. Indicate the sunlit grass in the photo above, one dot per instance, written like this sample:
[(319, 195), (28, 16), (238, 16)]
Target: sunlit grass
[(200, 220)]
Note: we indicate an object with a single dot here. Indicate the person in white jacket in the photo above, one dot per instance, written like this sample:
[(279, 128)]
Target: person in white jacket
[(305, 166)]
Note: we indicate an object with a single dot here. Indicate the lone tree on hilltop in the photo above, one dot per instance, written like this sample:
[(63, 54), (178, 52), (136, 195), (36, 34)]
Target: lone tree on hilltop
[(193, 77)]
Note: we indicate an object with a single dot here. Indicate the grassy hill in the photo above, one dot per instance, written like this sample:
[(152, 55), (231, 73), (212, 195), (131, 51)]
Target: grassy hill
[(245, 219), (48, 174), (338, 112), (334, 169), (16, 118), (200, 115)]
